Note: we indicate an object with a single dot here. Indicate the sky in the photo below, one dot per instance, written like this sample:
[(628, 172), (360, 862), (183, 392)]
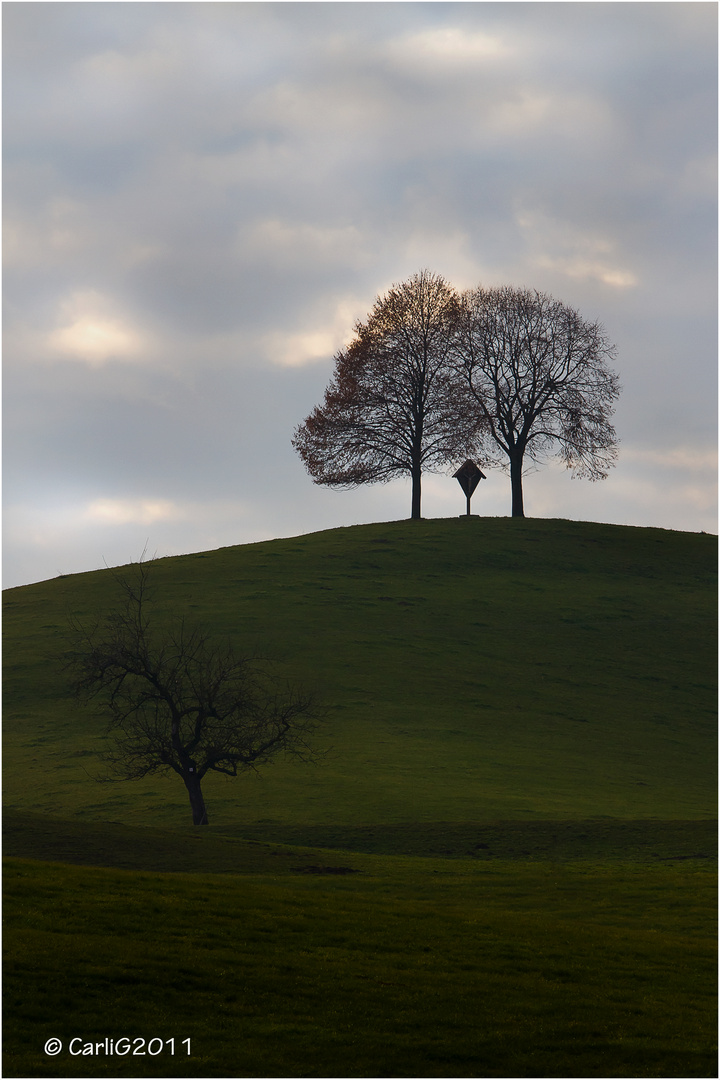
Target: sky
[(200, 200)]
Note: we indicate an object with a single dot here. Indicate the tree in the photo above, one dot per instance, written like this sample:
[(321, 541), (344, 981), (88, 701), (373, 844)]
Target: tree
[(394, 406), (180, 702), (539, 377)]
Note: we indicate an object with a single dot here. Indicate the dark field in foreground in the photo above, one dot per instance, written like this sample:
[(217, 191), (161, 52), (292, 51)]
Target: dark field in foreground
[(215, 851), (408, 967)]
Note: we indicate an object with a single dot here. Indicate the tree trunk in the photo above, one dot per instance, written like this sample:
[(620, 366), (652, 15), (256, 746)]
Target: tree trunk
[(516, 463), (197, 803), (416, 475)]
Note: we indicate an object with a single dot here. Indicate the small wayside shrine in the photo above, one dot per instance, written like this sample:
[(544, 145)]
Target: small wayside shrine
[(469, 476)]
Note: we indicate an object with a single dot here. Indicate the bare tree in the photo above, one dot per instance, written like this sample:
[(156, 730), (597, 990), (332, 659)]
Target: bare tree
[(179, 702), (540, 379), (394, 406)]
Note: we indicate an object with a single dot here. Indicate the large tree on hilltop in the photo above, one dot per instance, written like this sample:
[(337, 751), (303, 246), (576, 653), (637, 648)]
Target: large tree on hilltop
[(540, 379), (177, 701), (395, 406)]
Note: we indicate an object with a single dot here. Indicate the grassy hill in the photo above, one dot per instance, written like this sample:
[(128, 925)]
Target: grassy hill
[(503, 867), (474, 670)]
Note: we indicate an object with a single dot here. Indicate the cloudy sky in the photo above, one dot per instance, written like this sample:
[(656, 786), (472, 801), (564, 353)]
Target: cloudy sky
[(201, 198)]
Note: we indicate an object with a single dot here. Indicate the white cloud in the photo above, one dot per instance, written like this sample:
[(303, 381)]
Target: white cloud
[(637, 492), (577, 267), (573, 252), (309, 345), (449, 251), (700, 178), (300, 109), (132, 511), (48, 235), (90, 333), (447, 49), (302, 244), (679, 457), (533, 118), (94, 340)]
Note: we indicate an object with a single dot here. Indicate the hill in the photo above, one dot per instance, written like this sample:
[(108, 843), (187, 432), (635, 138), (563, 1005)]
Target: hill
[(475, 670), (504, 866)]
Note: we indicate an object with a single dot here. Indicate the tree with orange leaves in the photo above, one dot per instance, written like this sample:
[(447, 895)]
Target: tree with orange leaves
[(394, 406)]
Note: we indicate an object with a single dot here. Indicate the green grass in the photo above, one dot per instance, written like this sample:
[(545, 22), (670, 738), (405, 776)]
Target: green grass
[(409, 968), (504, 865), (478, 669), (214, 850)]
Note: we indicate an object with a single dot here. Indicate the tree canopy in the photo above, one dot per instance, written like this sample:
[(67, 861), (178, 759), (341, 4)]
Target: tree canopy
[(540, 379), (395, 405), (432, 377)]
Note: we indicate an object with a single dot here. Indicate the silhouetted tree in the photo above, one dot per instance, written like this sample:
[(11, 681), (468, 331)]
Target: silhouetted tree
[(394, 406), (180, 702), (539, 377)]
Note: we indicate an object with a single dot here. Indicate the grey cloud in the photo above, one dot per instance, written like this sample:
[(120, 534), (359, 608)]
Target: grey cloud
[(197, 195)]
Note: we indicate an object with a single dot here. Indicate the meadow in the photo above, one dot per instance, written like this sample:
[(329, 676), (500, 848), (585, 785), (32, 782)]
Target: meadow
[(503, 866)]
